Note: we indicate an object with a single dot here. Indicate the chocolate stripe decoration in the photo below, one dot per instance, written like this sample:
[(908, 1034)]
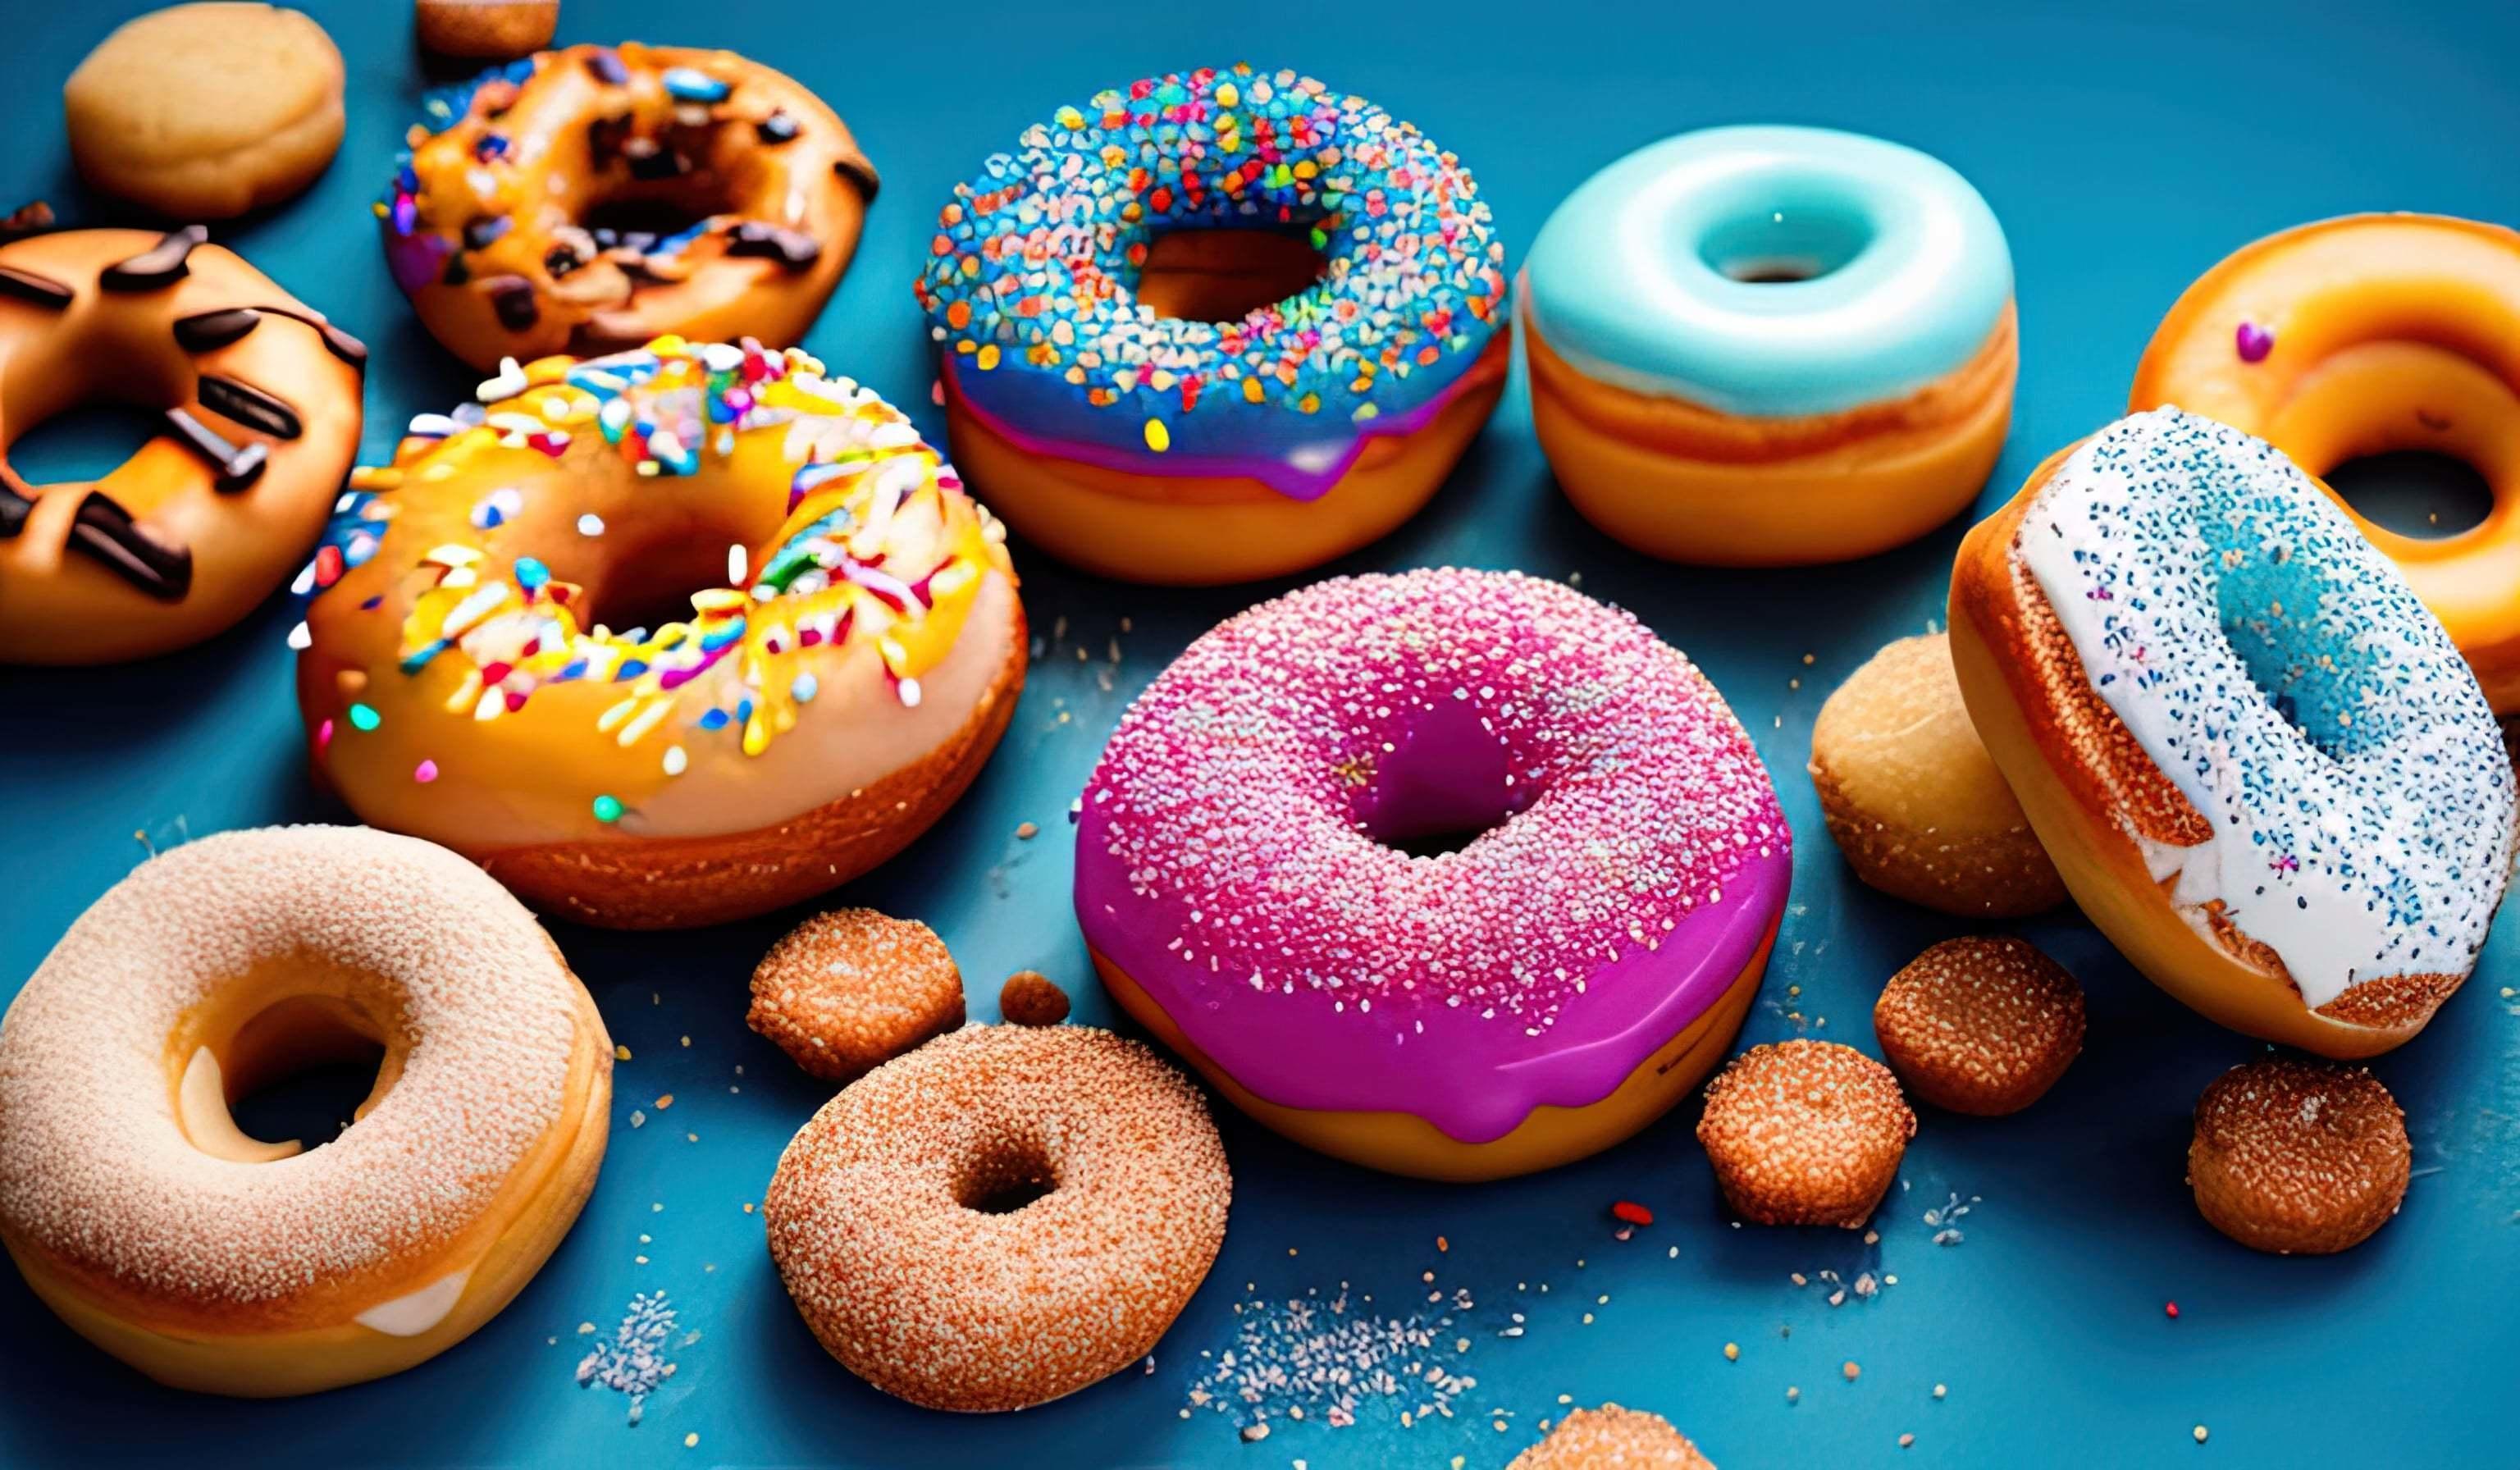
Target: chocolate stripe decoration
[(105, 530), (239, 465), (159, 266), (27, 285), (249, 405), (214, 329), (210, 330), (857, 170)]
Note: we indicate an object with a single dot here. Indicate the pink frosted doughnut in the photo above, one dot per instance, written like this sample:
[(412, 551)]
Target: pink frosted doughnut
[(1539, 994)]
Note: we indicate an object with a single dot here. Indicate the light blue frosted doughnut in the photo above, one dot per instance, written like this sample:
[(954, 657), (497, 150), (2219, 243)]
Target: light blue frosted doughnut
[(2276, 668), (1647, 276)]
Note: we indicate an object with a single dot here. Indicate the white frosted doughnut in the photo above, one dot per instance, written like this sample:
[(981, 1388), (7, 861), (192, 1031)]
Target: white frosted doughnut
[(209, 1260)]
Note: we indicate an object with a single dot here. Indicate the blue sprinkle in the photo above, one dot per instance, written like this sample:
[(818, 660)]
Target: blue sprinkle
[(685, 84), (420, 657), (714, 720), (531, 574), (805, 688)]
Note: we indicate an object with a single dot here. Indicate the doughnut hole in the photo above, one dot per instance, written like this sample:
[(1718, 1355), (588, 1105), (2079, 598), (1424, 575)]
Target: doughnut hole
[(1590, 1438), (2298, 1158), (282, 1049), (1983, 1026), (1225, 275), (2418, 493), (1005, 1175), (850, 989), (1030, 997), (1913, 800), (1805, 1132), (1780, 233)]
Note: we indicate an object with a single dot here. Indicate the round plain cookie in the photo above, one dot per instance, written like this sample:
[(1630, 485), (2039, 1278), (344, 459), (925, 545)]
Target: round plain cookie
[(204, 111), (1805, 1132), (486, 29), (1003, 1217), (2298, 1158), (848, 991), (1983, 1025), (1597, 1439), (1913, 798)]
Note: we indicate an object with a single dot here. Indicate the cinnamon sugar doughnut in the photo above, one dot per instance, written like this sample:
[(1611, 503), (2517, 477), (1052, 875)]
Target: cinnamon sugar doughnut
[(848, 991), (1030, 997), (1805, 1132), (899, 1222), (1600, 1439), (2297, 1158), (213, 1260), (1982, 1025)]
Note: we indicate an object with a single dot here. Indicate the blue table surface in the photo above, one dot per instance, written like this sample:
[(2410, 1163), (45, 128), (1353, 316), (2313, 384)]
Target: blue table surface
[(2125, 150)]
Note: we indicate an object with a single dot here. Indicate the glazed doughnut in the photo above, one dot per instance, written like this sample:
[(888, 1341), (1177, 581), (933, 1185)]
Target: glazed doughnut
[(260, 402), (1912, 797), (2261, 766), (1805, 1132), (1001, 1218), (2297, 1158), (1767, 346), (498, 222), (206, 110), (217, 1262), (1216, 326), (1611, 1438), (2361, 335), (1246, 890), (850, 989), (1981, 1025), (851, 653)]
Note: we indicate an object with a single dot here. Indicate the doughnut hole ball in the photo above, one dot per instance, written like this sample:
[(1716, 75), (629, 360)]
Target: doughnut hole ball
[(1805, 1132), (1913, 800), (1597, 1439), (850, 989), (1981, 1025), (2298, 1157)]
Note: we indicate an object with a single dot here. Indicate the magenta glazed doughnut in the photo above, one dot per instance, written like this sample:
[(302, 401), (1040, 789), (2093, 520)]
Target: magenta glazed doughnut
[(1247, 886)]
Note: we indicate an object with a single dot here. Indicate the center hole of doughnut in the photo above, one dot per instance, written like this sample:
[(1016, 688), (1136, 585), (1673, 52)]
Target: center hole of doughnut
[(1006, 1183), (1785, 243), (1446, 780), (83, 443), (1226, 275), (301, 1069), (2314, 680), (653, 583), (641, 220), (2414, 492)]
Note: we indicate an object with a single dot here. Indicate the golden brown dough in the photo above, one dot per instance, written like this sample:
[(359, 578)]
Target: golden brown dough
[(852, 989), (1913, 798), (490, 29), (1981, 1025), (1611, 1438), (2296, 1157), (1805, 1132)]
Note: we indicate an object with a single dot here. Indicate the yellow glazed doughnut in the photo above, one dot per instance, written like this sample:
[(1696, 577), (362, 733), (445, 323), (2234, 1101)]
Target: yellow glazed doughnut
[(1766, 346), (260, 400), (2258, 763), (217, 1262), (663, 639), (1912, 797), (204, 111), (2361, 335)]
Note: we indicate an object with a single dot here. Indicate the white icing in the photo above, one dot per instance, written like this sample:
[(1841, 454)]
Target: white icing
[(2366, 832), (415, 1313)]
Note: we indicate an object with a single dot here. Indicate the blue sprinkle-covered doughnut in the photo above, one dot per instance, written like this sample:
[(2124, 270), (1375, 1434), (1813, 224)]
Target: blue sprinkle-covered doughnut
[(1030, 285), (2279, 672)]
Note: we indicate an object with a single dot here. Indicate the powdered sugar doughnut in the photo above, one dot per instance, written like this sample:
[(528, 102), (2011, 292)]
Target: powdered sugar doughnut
[(213, 1260), (1539, 994), (1001, 1218)]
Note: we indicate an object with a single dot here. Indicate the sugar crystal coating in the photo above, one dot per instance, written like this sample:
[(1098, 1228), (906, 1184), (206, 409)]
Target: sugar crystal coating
[(1805, 1132), (1611, 1438), (2297, 1156), (850, 989)]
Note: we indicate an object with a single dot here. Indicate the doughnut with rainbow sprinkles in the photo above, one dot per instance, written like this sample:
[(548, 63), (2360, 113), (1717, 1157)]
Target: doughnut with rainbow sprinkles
[(662, 638), (2261, 765), (1217, 326), (1245, 887)]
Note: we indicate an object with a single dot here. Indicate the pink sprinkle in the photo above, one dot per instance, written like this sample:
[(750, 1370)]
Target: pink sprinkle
[(2253, 341), (425, 772), (323, 736)]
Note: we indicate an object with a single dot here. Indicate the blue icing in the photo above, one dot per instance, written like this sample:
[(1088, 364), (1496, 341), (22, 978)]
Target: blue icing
[(1029, 286), (2281, 673), (1905, 269)]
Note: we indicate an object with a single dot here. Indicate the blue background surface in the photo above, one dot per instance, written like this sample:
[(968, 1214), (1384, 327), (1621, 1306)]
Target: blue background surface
[(2125, 150)]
